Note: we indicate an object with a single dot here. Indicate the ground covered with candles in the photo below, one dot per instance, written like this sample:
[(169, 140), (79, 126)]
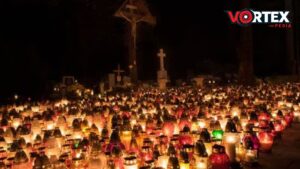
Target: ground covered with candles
[(180, 128)]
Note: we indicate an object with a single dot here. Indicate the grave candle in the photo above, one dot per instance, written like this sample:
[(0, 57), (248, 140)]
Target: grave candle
[(251, 156), (163, 161), (230, 140), (266, 141), (200, 155), (202, 123), (184, 165), (126, 138), (217, 134), (130, 163)]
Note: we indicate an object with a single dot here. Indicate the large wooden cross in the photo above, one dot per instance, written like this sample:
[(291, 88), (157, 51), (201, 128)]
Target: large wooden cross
[(134, 12)]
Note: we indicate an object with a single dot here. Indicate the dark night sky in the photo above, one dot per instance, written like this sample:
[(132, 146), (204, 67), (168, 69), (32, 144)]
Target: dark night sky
[(42, 40)]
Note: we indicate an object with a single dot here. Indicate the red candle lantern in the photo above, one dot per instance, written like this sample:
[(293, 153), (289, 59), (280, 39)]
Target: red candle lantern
[(263, 123), (251, 137), (189, 149), (266, 141), (264, 116), (218, 159), (146, 153), (278, 127), (175, 141), (168, 128), (185, 138), (179, 112), (288, 118)]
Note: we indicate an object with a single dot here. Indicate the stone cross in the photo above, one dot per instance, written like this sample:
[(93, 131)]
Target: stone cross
[(119, 71), (161, 56)]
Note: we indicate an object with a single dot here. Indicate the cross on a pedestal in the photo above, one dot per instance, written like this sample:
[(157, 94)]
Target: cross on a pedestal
[(161, 56), (119, 71)]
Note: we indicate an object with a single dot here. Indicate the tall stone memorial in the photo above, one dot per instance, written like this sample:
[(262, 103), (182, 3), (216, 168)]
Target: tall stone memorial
[(162, 74)]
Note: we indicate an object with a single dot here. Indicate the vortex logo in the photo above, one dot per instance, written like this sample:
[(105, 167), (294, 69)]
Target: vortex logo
[(246, 17)]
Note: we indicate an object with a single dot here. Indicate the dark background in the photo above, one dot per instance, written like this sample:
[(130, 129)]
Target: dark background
[(42, 40)]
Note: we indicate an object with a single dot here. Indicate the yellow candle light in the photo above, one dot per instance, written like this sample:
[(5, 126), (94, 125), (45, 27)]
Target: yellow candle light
[(202, 123), (201, 162), (77, 134), (163, 161), (240, 152), (223, 123), (208, 147), (297, 116), (251, 156), (184, 165), (126, 138), (130, 163), (230, 140), (235, 111), (16, 122)]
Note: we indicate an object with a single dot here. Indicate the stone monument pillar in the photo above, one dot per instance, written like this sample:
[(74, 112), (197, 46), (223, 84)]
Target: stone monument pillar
[(162, 75), (111, 81)]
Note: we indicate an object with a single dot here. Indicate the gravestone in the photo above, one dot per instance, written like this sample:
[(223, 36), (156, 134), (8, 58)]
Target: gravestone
[(127, 81), (102, 87), (199, 81), (162, 75), (118, 71), (111, 80), (68, 80)]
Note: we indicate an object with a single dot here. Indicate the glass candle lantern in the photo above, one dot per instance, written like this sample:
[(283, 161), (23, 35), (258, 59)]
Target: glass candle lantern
[(240, 152), (218, 159), (168, 128), (230, 141), (201, 163), (266, 141), (251, 156), (217, 134), (126, 138), (97, 160), (35, 128), (194, 126), (200, 155), (21, 161), (297, 116), (202, 123), (163, 161), (185, 139), (16, 122), (235, 111), (52, 147), (173, 162), (146, 153), (62, 124), (130, 162), (184, 165)]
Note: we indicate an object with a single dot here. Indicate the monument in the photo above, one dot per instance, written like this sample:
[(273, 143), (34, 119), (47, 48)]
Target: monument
[(111, 80), (134, 12), (118, 71), (162, 75), (199, 81), (102, 87)]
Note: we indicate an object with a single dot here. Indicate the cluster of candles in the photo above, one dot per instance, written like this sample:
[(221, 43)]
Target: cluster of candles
[(181, 128)]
